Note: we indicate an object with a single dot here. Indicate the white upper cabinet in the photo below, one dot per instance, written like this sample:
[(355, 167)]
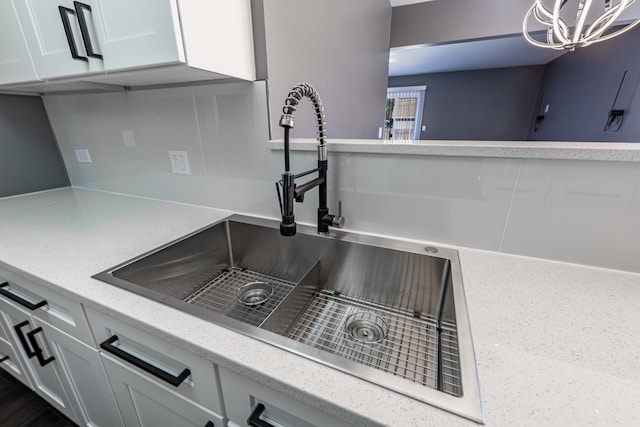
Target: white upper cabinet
[(53, 36), (111, 41), (139, 33), (15, 62)]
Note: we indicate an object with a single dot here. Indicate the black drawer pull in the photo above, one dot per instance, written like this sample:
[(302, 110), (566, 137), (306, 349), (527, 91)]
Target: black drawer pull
[(153, 370), (254, 419), (64, 14), (23, 302), (23, 340), (86, 38), (209, 424), (31, 336), (2, 359)]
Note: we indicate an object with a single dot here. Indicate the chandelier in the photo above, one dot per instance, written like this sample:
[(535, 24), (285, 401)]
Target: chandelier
[(561, 36)]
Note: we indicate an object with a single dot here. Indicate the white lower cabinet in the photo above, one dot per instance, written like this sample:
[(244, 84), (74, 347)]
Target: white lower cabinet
[(63, 370), (156, 383), (245, 399), (146, 403), (46, 373), (11, 362), (86, 376)]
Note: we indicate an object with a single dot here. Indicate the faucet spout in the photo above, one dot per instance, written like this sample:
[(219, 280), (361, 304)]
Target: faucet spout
[(291, 191)]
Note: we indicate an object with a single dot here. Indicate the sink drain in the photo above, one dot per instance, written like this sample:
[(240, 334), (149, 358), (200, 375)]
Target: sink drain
[(366, 327), (254, 293)]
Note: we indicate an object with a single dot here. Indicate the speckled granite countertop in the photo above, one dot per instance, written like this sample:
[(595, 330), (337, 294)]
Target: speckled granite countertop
[(609, 151), (555, 343)]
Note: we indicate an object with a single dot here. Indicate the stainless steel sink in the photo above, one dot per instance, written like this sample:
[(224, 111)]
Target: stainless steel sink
[(390, 312)]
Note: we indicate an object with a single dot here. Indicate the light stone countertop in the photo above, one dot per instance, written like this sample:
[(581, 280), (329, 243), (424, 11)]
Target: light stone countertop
[(555, 343), (607, 151)]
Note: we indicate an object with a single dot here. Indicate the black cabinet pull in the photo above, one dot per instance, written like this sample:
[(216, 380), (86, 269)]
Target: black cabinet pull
[(2, 359), (21, 301), (31, 336), (145, 366), (64, 14), (254, 419), (84, 29), (23, 340), (209, 424)]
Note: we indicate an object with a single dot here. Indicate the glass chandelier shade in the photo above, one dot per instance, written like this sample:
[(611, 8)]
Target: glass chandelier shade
[(559, 35)]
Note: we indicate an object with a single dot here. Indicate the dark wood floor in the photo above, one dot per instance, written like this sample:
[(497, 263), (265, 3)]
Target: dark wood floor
[(21, 407)]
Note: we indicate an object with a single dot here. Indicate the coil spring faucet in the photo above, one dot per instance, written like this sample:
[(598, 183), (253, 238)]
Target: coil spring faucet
[(290, 190)]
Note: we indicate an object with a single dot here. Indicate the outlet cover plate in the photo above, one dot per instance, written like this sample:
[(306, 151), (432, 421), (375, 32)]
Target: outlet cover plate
[(128, 138), (83, 156), (179, 162)]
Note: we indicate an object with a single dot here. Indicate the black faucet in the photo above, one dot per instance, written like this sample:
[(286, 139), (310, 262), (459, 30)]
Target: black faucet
[(291, 191)]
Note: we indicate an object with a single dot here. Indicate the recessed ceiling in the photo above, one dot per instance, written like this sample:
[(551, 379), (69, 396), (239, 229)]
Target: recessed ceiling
[(510, 51)]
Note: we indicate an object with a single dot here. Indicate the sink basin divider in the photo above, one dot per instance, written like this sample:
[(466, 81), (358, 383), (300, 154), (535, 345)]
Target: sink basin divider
[(294, 305), (227, 230), (444, 280)]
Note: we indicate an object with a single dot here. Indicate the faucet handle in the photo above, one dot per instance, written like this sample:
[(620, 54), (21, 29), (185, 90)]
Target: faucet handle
[(338, 220), (278, 184)]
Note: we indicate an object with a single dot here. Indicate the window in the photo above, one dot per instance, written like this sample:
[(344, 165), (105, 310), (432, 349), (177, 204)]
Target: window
[(403, 117)]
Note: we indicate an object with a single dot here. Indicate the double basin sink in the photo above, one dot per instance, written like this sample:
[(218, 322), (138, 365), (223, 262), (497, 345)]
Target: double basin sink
[(389, 312)]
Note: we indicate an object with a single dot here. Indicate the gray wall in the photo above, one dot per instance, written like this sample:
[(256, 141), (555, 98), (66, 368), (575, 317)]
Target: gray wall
[(454, 20), (29, 157), (580, 88), (495, 104), (339, 47)]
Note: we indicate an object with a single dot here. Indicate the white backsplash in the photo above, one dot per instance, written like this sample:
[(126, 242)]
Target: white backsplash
[(577, 211)]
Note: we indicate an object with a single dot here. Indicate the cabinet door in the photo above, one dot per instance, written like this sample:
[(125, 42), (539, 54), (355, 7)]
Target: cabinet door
[(48, 378), (15, 62), (86, 375), (140, 33), (43, 25), (146, 403), (12, 362)]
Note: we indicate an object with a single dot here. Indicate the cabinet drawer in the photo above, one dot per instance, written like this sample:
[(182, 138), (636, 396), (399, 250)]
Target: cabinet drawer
[(143, 402), (157, 360), (59, 311), (242, 395)]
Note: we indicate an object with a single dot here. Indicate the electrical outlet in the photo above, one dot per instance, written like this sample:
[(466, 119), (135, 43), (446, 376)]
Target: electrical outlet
[(83, 156), (179, 162), (129, 140)]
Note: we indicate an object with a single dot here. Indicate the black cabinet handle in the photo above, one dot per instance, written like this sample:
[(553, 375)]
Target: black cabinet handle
[(21, 301), (209, 424), (86, 38), (145, 366), (254, 419), (23, 340), (2, 359), (64, 14), (31, 336)]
